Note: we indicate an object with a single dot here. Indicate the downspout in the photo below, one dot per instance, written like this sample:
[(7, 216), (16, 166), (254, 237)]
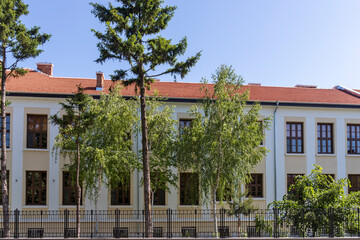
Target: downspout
[(275, 173)]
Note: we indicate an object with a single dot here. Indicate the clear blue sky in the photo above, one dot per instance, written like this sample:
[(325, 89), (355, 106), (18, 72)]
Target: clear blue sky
[(272, 42)]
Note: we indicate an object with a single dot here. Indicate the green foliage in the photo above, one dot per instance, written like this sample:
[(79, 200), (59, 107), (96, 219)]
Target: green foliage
[(223, 143), (107, 153), (15, 38), (73, 124), (315, 202), (130, 36), (162, 134)]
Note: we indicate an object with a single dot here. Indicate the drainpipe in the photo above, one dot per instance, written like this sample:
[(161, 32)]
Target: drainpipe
[(275, 173)]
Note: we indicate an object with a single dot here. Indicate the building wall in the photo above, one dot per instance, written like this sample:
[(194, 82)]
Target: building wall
[(274, 167)]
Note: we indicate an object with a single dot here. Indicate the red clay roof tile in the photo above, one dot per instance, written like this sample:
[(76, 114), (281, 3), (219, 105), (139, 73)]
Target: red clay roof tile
[(37, 82)]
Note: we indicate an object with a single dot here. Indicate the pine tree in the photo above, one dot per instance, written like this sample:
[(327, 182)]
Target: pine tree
[(21, 43), (131, 37)]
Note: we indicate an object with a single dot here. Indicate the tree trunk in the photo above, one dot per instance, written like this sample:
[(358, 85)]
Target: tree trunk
[(146, 165), (78, 190), (214, 213), (4, 189)]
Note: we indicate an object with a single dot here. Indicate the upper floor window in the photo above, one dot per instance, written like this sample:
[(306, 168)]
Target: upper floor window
[(189, 189), (69, 190), (255, 186), (183, 123), (325, 138), (353, 138), (7, 131), (37, 131), (355, 182), (35, 187), (120, 195), (294, 137)]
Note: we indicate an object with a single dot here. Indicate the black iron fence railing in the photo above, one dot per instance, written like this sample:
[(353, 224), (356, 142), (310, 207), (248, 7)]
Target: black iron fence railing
[(170, 223)]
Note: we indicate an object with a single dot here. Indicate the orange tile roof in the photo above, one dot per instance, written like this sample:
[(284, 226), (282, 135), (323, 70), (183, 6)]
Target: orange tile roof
[(39, 83)]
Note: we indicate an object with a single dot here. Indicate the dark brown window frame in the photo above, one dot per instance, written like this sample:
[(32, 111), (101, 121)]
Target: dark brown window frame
[(158, 194), (355, 186), (289, 144), (187, 121), (31, 134), (353, 143), (36, 187), (189, 189), (290, 180), (124, 190), (71, 188), (320, 138), (8, 125), (256, 186)]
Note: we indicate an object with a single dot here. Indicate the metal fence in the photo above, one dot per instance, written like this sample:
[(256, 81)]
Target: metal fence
[(186, 223)]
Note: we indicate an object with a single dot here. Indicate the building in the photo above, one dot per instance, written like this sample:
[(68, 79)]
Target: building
[(310, 126)]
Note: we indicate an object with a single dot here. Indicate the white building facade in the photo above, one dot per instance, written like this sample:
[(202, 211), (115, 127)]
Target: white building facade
[(310, 126)]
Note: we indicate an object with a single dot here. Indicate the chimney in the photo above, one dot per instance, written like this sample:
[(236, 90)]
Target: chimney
[(305, 86), (99, 81), (46, 68)]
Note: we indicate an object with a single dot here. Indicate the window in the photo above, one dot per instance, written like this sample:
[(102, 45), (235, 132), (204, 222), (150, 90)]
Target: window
[(121, 194), (355, 182), (325, 138), (7, 131), (36, 131), (35, 188), (159, 194), (353, 138), (294, 137), (69, 190), (226, 195), (189, 189), (255, 186), (7, 180), (183, 123), (291, 180)]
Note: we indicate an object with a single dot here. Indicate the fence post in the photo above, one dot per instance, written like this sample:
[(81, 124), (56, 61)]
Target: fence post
[(275, 211), (143, 233), (66, 222), (41, 218), (16, 224), (91, 222), (331, 222), (195, 223)]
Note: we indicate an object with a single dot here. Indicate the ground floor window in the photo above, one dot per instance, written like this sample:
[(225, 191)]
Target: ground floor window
[(36, 187)]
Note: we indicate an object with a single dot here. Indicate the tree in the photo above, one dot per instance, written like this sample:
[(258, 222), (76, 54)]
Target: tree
[(162, 136), (21, 43), (223, 143), (107, 154), (73, 125), (311, 201), (131, 37)]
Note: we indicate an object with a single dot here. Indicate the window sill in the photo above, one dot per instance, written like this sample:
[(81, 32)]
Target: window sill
[(36, 149), (121, 206), (35, 206), (326, 155), (352, 155), (257, 198), (295, 154), (188, 206)]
